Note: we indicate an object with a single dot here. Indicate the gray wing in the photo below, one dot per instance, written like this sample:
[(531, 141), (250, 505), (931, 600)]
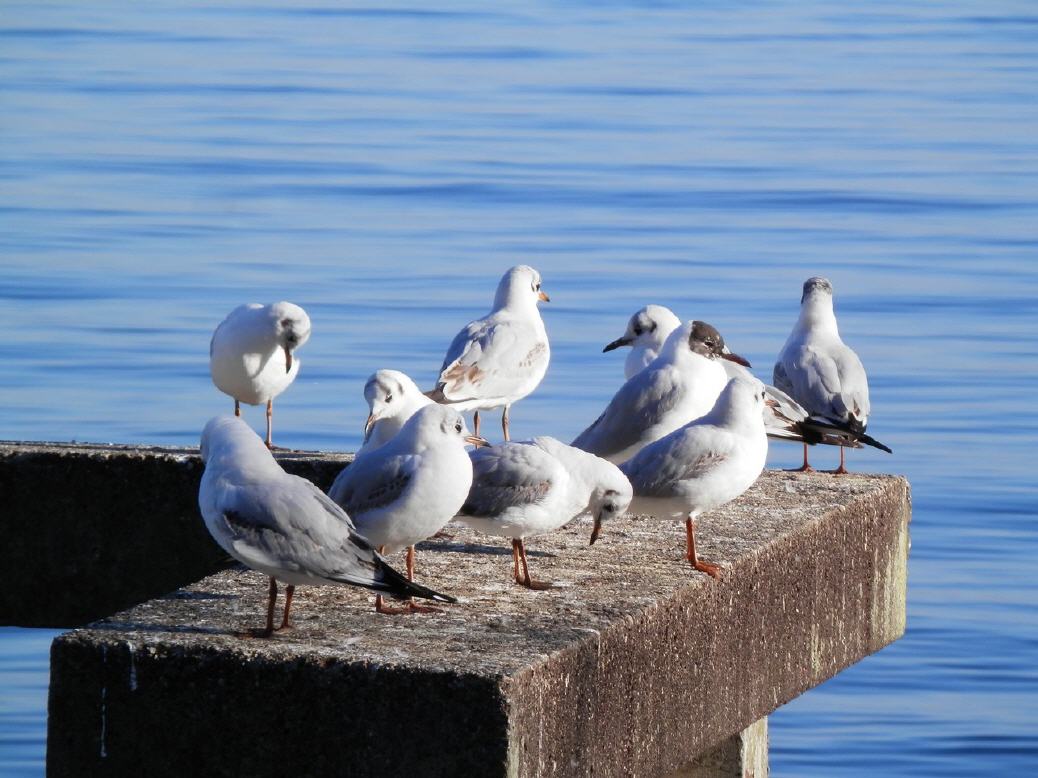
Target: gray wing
[(290, 524), (488, 357), (372, 482), (829, 382), (509, 475), (639, 404), (691, 452)]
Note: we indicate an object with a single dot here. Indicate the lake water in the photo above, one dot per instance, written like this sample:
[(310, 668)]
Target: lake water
[(382, 165)]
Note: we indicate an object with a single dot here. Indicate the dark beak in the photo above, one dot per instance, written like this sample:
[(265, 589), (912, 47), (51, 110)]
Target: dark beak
[(369, 424), (595, 530), (616, 344), (736, 359), (477, 441), (288, 360)]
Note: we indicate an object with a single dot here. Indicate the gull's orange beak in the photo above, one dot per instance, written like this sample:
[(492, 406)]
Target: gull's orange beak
[(542, 295), (736, 359), (369, 424), (288, 360), (477, 441)]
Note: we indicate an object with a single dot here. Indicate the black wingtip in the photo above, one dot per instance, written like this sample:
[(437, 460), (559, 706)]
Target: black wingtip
[(871, 441), (395, 584)]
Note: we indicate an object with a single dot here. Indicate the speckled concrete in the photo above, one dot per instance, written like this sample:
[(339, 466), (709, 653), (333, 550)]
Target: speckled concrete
[(632, 665)]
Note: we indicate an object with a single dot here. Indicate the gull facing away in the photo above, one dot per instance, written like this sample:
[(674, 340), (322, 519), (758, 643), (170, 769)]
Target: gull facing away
[(251, 353), (818, 370), (392, 400), (703, 465), (408, 489), (680, 385), (533, 487), (496, 361), (282, 525), (646, 332)]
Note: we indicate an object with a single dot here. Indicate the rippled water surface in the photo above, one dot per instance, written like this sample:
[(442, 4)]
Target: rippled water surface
[(382, 165)]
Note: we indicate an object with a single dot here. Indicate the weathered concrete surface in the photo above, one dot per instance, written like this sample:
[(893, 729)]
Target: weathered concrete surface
[(744, 755), (89, 529), (632, 665)]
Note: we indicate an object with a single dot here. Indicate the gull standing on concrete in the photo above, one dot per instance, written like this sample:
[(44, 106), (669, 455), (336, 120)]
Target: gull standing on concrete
[(392, 400), (703, 465), (408, 489), (282, 525), (251, 353), (496, 361), (647, 331), (818, 370), (680, 385), (526, 488)]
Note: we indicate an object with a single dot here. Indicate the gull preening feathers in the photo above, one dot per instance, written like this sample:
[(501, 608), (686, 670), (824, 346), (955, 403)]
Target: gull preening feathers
[(680, 385), (282, 525), (497, 360), (251, 354), (526, 488), (408, 489), (703, 465), (647, 331), (392, 399), (820, 372)]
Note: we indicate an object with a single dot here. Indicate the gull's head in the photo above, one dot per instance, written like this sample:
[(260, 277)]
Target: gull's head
[(610, 499), (521, 285), (743, 395), (816, 288), (648, 327), (222, 431), (442, 422), (705, 340), (389, 393), (291, 328)]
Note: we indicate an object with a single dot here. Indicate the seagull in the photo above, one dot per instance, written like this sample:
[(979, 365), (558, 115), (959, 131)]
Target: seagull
[(821, 373), (282, 525), (408, 489), (703, 465), (680, 385), (392, 400), (496, 361), (535, 486), (245, 354), (646, 332)]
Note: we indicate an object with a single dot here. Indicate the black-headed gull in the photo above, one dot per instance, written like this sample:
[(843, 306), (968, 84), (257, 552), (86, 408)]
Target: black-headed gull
[(392, 399), (282, 525), (408, 489), (497, 360), (818, 370), (647, 331), (251, 355), (526, 488), (680, 385), (703, 465)]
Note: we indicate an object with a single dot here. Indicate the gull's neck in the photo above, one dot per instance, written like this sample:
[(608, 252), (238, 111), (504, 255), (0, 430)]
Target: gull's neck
[(816, 316)]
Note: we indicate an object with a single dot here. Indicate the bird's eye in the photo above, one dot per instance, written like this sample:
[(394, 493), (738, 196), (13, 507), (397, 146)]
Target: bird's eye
[(537, 287), (389, 398), (457, 427), (637, 331)]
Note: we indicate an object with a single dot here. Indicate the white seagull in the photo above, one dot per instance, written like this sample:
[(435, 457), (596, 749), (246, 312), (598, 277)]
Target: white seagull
[(392, 400), (496, 361), (526, 488), (680, 385), (646, 332), (704, 464), (251, 353), (407, 490), (822, 373), (282, 525)]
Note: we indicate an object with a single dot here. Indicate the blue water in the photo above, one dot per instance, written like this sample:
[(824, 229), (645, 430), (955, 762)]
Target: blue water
[(383, 164)]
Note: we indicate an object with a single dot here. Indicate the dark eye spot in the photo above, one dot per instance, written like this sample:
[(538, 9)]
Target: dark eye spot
[(457, 427), (389, 398), (637, 331)]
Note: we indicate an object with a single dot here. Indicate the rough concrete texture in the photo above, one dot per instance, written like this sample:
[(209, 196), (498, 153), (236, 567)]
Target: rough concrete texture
[(744, 755), (90, 529), (632, 665)]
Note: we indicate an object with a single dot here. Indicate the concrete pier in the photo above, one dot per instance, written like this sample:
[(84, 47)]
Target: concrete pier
[(632, 665)]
